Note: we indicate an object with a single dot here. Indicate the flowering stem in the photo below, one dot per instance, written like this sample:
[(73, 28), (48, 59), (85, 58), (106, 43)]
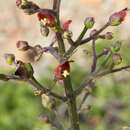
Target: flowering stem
[(37, 85), (113, 71), (72, 48), (95, 34), (60, 43), (71, 103), (54, 53)]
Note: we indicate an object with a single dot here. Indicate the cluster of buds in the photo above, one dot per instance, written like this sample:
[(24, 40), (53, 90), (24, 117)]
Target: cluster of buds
[(27, 6)]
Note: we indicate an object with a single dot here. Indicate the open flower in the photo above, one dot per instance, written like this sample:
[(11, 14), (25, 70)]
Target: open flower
[(118, 17), (63, 70), (46, 17)]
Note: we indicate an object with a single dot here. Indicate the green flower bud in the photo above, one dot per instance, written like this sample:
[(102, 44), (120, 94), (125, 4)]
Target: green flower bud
[(67, 34), (89, 22), (116, 59), (116, 46), (10, 58)]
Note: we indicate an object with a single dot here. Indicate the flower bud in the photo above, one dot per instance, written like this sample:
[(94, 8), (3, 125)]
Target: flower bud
[(88, 107), (37, 92), (24, 70), (44, 31), (106, 50), (109, 35), (39, 52), (22, 45), (65, 26), (118, 17), (67, 34), (28, 7), (43, 118), (89, 22), (48, 102), (116, 46), (116, 59), (10, 58)]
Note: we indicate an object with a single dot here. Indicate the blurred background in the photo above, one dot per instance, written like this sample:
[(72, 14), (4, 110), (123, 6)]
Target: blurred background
[(110, 103)]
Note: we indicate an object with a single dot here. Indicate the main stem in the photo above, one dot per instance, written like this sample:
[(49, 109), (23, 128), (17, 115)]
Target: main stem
[(71, 104), (67, 81), (56, 8)]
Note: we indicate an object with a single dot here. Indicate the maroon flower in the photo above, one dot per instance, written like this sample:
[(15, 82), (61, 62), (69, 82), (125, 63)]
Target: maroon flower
[(65, 26), (63, 70), (118, 17), (47, 17)]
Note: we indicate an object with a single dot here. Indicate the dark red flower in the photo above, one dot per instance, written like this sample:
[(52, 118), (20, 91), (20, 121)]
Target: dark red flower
[(65, 26), (47, 17), (118, 17), (63, 70)]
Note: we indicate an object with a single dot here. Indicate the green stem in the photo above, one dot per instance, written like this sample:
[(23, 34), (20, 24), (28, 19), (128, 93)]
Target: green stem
[(81, 35), (56, 7), (71, 103), (72, 48), (60, 43), (37, 85), (104, 61)]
